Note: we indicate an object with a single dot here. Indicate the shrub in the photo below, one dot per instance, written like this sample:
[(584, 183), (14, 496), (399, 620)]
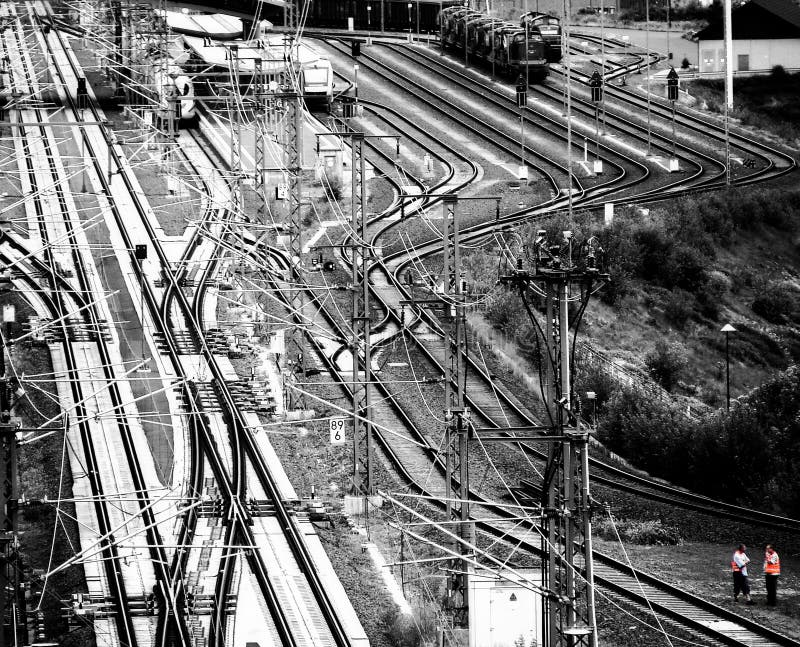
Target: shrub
[(665, 363), (710, 299), (679, 306), (685, 64), (775, 302), (333, 185), (779, 72), (644, 533), (593, 376), (505, 312)]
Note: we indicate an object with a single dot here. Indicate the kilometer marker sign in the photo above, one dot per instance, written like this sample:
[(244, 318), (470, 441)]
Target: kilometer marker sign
[(336, 428)]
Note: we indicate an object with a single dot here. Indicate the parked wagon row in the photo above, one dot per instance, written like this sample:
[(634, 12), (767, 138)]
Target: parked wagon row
[(510, 49)]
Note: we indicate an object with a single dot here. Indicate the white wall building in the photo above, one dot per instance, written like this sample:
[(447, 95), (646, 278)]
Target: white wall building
[(766, 33)]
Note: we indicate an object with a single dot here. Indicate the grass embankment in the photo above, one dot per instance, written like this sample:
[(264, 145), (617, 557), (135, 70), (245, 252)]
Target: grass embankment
[(704, 570), (764, 102)]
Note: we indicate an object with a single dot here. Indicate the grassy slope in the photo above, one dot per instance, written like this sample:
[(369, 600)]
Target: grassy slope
[(764, 102)]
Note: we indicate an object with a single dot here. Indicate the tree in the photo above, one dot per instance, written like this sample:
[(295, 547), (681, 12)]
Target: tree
[(665, 363)]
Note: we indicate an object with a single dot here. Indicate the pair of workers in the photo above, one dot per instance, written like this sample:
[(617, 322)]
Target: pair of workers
[(772, 570)]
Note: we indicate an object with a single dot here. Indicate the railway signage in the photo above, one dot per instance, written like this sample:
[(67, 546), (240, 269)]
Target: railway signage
[(522, 92), (336, 429), (596, 85), (281, 191), (140, 252), (672, 85)]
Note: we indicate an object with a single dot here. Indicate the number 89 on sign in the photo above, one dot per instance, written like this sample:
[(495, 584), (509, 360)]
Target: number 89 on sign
[(336, 427)]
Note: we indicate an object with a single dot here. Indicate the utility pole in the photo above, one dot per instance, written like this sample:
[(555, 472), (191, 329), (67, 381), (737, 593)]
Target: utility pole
[(293, 147), (234, 106), (456, 414), (361, 347), (263, 105), (459, 427), (562, 274)]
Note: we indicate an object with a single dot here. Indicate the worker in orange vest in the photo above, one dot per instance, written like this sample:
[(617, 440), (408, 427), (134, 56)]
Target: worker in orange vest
[(772, 570), (739, 563)]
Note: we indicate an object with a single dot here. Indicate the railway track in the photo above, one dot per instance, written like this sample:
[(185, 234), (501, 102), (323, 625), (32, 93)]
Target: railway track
[(419, 464), (80, 299), (233, 484), (246, 454), (499, 408)]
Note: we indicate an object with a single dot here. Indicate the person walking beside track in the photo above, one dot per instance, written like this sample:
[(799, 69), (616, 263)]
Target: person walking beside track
[(772, 570), (739, 564)]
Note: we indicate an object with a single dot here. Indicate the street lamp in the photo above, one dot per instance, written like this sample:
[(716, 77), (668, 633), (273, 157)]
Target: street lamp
[(727, 329), (592, 397)]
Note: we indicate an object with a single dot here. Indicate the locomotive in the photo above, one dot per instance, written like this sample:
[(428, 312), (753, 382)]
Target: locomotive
[(494, 41), (550, 29)]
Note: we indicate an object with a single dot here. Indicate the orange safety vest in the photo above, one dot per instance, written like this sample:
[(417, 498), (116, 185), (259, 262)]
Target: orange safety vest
[(734, 567), (770, 567)]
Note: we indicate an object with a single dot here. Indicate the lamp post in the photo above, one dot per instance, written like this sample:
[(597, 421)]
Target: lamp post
[(727, 329), (592, 397)]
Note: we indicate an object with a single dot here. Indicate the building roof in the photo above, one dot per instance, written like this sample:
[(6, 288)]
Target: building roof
[(759, 19)]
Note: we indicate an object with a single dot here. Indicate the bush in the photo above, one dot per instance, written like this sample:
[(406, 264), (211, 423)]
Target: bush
[(644, 533), (593, 376), (333, 185), (760, 437), (404, 630), (779, 72), (505, 312), (665, 363), (775, 302), (679, 306), (685, 64)]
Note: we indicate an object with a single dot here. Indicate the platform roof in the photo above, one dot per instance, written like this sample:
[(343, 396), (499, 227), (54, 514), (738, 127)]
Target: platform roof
[(758, 20)]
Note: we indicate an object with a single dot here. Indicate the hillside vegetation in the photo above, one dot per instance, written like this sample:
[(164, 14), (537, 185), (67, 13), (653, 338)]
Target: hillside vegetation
[(678, 273), (765, 102), (751, 454)]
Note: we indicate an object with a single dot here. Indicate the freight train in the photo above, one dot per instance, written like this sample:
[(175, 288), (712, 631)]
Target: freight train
[(495, 42), (550, 29)]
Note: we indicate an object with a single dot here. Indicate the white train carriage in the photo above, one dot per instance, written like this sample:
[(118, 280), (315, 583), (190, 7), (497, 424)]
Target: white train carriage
[(176, 94), (316, 73)]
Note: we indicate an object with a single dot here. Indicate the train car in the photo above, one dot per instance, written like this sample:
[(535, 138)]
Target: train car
[(483, 47), (174, 92), (474, 32), (535, 59), (212, 63), (496, 42), (550, 29), (316, 78)]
